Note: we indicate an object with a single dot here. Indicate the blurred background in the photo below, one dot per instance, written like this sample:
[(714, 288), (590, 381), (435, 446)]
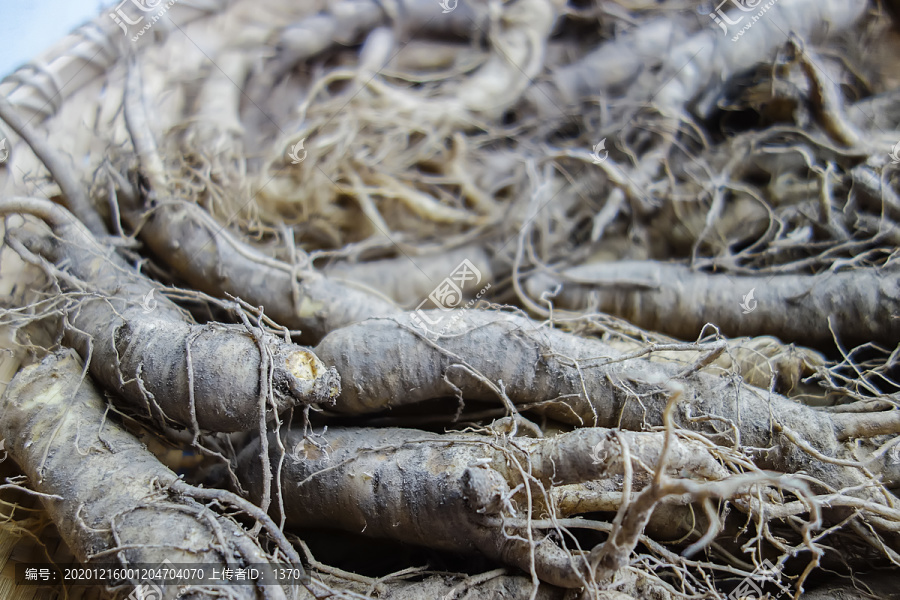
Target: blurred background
[(29, 27)]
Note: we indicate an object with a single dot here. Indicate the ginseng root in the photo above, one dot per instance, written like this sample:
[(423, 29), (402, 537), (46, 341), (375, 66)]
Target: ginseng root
[(388, 362), (407, 280), (212, 377), (200, 251), (72, 189), (492, 495), (113, 502), (854, 306)]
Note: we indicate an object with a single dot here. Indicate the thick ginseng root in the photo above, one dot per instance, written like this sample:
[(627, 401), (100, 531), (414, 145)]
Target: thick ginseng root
[(494, 356), (113, 502), (854, 306), (461, 492), (212, 377), (212, 260)]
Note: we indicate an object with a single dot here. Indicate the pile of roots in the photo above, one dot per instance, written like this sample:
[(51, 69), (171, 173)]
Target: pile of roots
[(458, 299)]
